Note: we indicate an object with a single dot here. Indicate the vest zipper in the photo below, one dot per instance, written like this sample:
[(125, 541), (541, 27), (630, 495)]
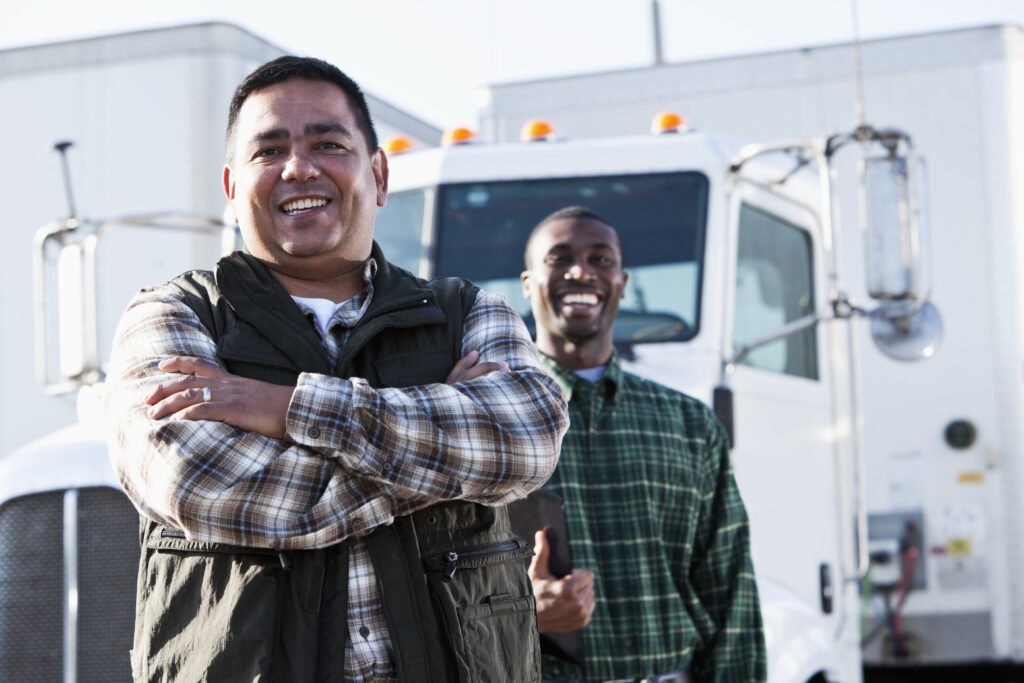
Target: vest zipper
[(453, 556)]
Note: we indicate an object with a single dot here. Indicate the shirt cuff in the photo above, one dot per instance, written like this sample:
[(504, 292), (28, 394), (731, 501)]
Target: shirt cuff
[(320, 417)]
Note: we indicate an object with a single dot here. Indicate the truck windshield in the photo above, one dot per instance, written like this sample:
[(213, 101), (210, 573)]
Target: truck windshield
[(661, 219)]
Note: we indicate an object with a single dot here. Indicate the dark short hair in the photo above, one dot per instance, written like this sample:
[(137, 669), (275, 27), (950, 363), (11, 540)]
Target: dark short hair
[(285, 69), (572, 212)]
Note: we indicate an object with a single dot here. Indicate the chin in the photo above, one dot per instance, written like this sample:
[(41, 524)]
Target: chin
[(580, 336)]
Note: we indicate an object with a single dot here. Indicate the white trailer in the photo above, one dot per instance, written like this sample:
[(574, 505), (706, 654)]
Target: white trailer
[(943, 440)]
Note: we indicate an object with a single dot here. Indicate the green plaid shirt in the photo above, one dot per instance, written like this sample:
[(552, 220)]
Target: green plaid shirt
[(653, 510)]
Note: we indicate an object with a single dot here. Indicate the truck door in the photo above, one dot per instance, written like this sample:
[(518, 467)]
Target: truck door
[(784, 442)]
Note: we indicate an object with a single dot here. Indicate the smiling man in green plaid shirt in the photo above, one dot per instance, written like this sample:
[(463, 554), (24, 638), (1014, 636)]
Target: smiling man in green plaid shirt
[(654, 516)]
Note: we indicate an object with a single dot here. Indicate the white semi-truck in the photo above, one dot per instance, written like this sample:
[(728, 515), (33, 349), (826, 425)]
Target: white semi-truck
[(735, 297), (943, 440)]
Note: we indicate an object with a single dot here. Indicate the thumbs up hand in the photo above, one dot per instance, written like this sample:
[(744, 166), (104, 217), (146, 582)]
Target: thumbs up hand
[(564, 604)]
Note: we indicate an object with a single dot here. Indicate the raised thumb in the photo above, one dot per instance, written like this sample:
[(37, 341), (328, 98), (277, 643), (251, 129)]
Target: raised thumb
[(539, 563)]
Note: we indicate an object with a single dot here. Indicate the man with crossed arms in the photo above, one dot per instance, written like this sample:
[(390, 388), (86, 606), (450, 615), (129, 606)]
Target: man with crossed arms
[(320, 443)]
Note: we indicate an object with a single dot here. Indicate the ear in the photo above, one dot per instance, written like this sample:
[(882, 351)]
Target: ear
[(524, 277), (229, 192), (625, 279), (229, 183), (379, 162)]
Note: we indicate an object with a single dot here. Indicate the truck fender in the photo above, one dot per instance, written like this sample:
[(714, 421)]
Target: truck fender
[(801, 643)]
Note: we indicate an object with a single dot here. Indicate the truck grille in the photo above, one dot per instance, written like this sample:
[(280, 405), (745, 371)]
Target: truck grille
[(34, 586)]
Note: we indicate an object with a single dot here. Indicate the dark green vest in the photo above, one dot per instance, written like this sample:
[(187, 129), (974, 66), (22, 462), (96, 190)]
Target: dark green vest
[(213, 612)]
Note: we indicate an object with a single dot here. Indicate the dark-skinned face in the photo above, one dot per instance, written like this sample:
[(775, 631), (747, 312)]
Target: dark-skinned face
[(575, 281)]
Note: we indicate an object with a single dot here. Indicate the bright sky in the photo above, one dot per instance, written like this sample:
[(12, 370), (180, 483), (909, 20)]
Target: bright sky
[(428, 56)]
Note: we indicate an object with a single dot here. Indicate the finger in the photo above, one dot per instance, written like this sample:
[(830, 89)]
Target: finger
[(464, 364), (178, 403), (582, 580), (539, 563), (589, 604), (482, 369), (175, 385), (577, 584), (188, 365)]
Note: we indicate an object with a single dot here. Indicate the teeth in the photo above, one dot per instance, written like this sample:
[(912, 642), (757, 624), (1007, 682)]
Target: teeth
[(589, 299), (302, 205)]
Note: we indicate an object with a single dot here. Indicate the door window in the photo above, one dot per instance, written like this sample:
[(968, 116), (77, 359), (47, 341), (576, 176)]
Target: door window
[(774, 286)]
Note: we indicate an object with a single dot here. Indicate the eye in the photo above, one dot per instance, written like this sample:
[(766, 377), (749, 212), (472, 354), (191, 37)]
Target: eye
[(556, 259), (265, 152), (330, 146)]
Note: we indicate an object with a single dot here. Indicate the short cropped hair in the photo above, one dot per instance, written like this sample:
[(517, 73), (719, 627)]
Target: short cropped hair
[(570, 212), (285, 69)]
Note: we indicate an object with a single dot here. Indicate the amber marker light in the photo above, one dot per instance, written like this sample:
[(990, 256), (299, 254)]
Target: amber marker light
[(457, 136), (668, 122), (537, 130), (398, 144)]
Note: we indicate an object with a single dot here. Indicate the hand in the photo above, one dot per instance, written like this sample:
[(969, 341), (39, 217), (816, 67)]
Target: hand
[(248, 404), (466, 369), (564, 604)]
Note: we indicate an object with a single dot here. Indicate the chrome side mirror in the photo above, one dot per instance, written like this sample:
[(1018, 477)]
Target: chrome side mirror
[(907, 332), (895, 228), (905, 326)]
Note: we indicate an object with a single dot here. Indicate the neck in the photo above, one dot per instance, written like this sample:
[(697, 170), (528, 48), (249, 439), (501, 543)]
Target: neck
[(338, 287), (575, 355)]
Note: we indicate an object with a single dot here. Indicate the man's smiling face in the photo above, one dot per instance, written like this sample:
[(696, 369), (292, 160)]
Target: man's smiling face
[(575, 281), (301, 182)]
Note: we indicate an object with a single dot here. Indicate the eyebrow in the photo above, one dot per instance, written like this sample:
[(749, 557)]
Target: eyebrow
[(317, 128), (324, 127), (562, 246)]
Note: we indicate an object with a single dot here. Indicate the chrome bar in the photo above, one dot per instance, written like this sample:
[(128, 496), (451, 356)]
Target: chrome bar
[(70, 585)]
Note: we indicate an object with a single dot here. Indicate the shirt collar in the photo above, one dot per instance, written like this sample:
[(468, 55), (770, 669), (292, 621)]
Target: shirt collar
[(567, 379), (351, 311)]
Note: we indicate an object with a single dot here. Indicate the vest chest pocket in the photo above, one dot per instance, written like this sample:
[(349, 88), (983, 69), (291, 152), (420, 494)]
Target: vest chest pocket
[(257, 361), (414, 368), (487, 601)]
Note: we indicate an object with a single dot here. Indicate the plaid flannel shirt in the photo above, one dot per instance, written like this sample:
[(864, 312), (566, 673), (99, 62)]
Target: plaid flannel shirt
[(353, 457), (653, 510)]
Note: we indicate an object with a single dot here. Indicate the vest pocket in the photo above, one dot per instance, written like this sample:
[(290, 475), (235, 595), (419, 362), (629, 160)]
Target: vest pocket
[(502, 638), (414, 367), (206, 614), (486, 599)]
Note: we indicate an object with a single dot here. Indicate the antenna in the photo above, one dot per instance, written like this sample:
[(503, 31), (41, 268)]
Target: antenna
[(656, 19), (61, 147), (858, 70)]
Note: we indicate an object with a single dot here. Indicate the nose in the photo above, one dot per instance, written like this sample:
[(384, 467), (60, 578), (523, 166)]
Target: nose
[(300, 168), (578, 271)]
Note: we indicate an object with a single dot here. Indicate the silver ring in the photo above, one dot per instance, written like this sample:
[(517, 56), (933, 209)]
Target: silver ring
[(207, 396)]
